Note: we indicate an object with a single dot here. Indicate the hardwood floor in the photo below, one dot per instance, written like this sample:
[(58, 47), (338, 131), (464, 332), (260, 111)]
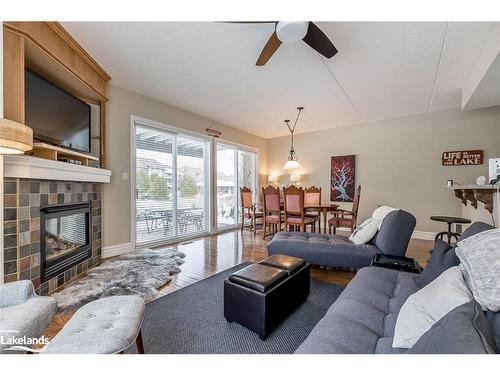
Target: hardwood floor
[(212, 254)]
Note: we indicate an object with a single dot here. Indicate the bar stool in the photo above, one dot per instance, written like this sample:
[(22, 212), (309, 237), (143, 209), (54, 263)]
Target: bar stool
[(449, 220)]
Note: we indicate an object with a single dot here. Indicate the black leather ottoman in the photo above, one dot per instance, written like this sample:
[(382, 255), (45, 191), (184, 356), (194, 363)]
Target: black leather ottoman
[(261, 295)]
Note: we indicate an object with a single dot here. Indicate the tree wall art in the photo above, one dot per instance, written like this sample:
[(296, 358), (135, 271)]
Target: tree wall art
[(342, 181)]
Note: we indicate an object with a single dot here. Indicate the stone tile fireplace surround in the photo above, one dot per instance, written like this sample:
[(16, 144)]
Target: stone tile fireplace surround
[(22, 201)]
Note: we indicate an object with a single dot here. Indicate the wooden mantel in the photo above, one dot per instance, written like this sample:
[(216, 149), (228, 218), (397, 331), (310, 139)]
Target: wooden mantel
[(476, 193), (48, 49)]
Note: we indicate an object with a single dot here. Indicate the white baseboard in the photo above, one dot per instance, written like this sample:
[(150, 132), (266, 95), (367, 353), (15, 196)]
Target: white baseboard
[(417, 234), (112, 251), (422, 235)]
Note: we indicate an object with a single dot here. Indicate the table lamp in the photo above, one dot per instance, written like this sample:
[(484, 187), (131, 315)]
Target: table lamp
[(295, 178)]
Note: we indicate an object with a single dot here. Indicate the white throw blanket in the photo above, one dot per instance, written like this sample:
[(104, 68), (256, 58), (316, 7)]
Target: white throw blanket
[(480, 263)]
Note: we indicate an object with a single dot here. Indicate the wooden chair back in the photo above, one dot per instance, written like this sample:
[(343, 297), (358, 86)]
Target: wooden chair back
[(271, 200), (293, 201), (355, 203), (312, 196), (246, 197)]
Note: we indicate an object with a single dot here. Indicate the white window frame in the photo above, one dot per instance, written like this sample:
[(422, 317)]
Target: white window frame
[(136, 120), (210, 179)]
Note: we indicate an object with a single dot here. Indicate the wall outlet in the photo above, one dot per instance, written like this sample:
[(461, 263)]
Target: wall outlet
[(125, 176)]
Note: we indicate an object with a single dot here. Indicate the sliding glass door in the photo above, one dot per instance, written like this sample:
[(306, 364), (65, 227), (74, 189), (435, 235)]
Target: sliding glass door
[(235, 168), (171, 181)]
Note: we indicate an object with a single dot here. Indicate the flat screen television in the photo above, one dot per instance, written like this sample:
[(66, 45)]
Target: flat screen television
[(56, 116)]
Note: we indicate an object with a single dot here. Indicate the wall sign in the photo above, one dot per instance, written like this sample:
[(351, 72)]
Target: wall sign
[(468, 157)]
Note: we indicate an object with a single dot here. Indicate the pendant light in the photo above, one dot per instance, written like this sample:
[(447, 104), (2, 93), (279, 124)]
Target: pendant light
[(293, 161)]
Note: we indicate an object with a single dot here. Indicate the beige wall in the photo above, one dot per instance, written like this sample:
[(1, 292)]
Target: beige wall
[(398, 162), (116, 195)]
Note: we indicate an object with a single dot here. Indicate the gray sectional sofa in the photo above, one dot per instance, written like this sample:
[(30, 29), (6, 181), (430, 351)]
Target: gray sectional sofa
[(338, 251), (363, 318)]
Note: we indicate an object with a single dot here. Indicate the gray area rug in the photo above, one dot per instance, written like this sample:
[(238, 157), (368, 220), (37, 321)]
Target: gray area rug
[(191, 321), (142, 273)]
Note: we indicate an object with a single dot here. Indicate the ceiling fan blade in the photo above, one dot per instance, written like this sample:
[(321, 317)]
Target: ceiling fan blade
[(269, 49), (317, 40), (247, 22)]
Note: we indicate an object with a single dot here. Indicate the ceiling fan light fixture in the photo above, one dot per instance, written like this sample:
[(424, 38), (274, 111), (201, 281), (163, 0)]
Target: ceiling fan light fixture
[(291, 32)]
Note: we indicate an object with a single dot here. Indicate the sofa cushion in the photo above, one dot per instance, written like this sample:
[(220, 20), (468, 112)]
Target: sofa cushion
[(442, 257), (395, 232), (464, 330), (475, 228), (426, 306), (322, 249), (363, 317)]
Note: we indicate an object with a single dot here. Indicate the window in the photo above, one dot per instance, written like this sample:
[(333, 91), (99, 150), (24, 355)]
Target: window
[(171, 185)]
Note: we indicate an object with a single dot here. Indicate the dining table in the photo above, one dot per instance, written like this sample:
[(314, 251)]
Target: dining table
[(324, 209)]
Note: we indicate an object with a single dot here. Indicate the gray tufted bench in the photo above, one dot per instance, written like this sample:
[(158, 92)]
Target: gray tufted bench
[(105, 326)]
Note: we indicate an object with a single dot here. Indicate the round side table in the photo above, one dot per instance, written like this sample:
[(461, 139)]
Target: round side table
[(449, 220)]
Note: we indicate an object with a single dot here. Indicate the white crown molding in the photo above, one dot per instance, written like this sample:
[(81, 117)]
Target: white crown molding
[(22, 166), (115, 250)]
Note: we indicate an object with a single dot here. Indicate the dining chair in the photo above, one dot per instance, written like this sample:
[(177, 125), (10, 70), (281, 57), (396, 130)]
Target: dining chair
[(345, 218), (272, 210), (248, 209), (312, 199), (294, 209)]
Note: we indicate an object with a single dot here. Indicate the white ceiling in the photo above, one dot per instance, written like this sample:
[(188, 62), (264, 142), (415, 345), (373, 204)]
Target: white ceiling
[(383, 69)]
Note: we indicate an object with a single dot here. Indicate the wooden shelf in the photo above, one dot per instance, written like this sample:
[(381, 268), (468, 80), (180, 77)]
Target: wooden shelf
[(51, 152), (476, 193)]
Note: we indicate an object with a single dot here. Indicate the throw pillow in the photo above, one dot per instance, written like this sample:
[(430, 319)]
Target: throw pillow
[(381, 212), (480, 261), (429, 304), (475, 228), (365, 231), (442, 257), (464, 330)]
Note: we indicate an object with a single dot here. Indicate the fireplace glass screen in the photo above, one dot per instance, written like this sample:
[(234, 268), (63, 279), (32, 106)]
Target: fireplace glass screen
[(66, 237), (64, 234)]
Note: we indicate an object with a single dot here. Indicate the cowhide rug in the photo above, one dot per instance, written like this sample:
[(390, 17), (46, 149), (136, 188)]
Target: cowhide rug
[(141, 273)]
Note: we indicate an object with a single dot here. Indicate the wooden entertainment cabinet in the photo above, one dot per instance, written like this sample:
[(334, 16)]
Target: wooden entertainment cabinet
[(48, 49)]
